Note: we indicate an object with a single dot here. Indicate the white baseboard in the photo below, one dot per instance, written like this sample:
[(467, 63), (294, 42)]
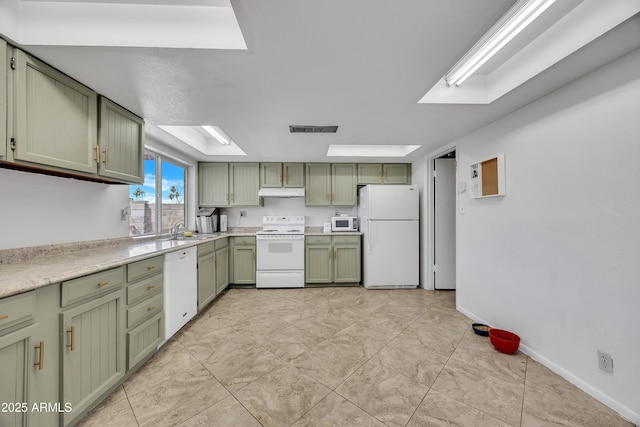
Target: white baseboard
[(597, 394)]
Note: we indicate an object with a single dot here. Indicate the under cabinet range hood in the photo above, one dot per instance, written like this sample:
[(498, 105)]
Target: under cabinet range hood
[(281, 192)]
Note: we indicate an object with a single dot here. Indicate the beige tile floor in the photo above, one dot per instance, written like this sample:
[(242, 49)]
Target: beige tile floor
[(342, 357)]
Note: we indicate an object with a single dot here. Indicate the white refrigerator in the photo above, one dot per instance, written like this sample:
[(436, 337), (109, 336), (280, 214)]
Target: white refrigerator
[(388, 216)]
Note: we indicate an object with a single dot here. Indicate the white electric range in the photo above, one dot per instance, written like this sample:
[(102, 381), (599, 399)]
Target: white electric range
[(280, 252)]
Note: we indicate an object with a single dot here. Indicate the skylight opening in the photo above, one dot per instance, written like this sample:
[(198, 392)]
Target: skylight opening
[(209, 140), (363, 150)]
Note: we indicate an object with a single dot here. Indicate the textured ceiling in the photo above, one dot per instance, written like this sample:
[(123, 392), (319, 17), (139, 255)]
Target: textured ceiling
[(359, 64)]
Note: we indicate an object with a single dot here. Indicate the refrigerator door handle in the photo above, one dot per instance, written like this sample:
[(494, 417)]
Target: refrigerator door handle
[(370, 231)]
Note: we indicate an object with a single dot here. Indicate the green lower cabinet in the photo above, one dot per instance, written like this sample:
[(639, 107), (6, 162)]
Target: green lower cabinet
[(346, 263), (92, 347), (213, 270), (332, 259), (222, 269), (144, 339), (16, 371), (318, 263), (28, 358), (243, 261), (206, 279)]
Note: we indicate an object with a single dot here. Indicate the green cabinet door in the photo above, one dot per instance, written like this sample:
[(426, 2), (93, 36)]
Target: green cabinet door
[(222, 269), (346, 263), (16, 369), (396, 173), (244, 264), (318, 263), (318, 184), (270, 175), (55, 117), (369, 173), (206, 279), (282, 175), (121, 142), (213, 184), (45, 381), (3, 99), (92, 351), (293, 175), (244, 184), (343, 184)]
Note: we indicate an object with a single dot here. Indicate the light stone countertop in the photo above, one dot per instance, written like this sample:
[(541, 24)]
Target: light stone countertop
[(25, 269)]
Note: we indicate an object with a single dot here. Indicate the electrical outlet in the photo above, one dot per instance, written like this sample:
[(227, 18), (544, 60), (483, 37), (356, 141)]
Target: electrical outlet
[(243, 213), (605, 361)]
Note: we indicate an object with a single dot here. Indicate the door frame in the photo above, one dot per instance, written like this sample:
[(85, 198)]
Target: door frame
[(429, 281)]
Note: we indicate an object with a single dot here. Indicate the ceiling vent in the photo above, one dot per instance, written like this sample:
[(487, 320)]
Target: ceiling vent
[(312, 129)]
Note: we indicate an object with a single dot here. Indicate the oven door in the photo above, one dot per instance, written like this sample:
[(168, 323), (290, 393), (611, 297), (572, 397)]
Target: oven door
[(278, 253)]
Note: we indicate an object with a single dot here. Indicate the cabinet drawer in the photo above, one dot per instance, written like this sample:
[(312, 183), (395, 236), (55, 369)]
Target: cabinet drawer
[(144, 339), (221, 243), (91, 286), (317, 240), (146, 267), (206, 248), (17, 309), (144, 289), (144, 310), (346, 240), (244, 240)]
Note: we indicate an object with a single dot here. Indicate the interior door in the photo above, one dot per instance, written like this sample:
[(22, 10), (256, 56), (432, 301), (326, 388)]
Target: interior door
[(445, 224)]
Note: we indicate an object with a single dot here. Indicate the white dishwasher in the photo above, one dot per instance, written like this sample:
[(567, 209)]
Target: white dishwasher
[(180, 289)]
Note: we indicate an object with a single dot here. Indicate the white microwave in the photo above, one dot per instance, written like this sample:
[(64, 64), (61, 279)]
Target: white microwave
[(344, 223)]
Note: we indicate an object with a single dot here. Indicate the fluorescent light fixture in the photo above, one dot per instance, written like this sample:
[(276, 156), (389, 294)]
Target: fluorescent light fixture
[(510, 25), (196, 137), (339, 150), (218, 134)]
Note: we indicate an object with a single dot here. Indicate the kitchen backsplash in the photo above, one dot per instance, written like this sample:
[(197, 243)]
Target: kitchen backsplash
[(315, 216)]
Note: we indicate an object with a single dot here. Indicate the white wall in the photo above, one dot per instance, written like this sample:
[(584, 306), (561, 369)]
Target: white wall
[(40, 209), (557, 259), (314, 216)]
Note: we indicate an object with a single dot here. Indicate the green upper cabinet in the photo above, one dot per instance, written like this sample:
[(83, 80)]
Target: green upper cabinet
[(282, 175), (293, 175), (270, 175), (3, 99), (55, 117), (213, 184), (369, 173), (121, 142), (388, 173), (343, 184), (396, 173), (244, 184), (318, 185)]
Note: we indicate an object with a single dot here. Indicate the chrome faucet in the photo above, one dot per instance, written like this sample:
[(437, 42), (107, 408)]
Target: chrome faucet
[(176, 228)]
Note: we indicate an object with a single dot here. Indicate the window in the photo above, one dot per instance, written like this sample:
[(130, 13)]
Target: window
[(160, 199)]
